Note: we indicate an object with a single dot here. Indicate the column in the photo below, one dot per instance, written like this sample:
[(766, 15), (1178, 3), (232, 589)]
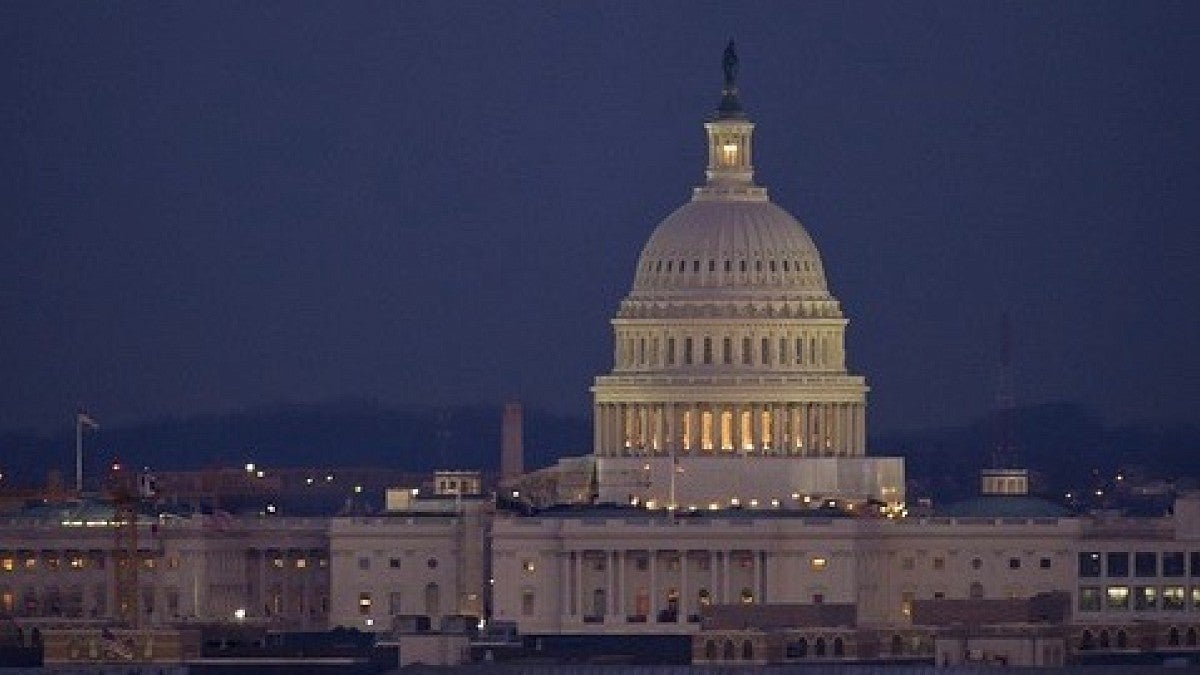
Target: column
[(862, 429), (670, 429), (694, 429), (685, 601), (564, 575), (755, 558), (643, 437), (725, 576), (756, 428), (597, 428), (614, 606), (779, 428), (653, 587), (622, 560), (580, 600)]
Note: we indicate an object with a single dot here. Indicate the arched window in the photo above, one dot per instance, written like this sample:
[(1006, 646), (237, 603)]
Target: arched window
[(839, 646), (819, 647), (747, 650), (710, 650)]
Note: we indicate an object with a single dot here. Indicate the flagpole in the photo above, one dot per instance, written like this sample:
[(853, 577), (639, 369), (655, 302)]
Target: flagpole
[(79, 454)]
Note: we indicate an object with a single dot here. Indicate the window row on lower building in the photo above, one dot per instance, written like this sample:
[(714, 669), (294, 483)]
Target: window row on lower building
[(1120, 564), (1139, 598)]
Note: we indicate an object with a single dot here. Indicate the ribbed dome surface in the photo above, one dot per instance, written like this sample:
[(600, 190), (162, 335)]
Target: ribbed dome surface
[(730, 247)]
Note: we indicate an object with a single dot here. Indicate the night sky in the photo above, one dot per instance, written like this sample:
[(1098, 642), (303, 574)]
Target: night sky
[(212, 205)]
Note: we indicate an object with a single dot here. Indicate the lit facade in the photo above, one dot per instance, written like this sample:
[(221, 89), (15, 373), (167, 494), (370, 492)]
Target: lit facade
[(729, 383)]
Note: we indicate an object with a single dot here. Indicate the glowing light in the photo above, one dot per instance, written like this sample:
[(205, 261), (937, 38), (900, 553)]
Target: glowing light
[(250, 467), (357, 489), (260, 473), (240, 613)]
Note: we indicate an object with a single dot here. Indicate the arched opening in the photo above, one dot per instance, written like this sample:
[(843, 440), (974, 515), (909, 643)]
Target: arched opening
[(801, 648), (710, 650), (839, 646), (819, 647), (1173, 637), (1087, 640), (1122, 640), (1105, 643), (727, 652), (1191, 637), (747, 650), (897, 644)]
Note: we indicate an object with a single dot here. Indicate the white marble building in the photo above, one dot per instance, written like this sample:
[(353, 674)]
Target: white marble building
[(729, 359)]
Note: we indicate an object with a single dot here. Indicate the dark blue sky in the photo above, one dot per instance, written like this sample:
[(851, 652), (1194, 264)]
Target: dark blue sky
[(211, 205)]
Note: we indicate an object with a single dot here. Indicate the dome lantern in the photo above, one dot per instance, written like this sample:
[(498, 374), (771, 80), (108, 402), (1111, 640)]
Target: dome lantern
[(730, 171)]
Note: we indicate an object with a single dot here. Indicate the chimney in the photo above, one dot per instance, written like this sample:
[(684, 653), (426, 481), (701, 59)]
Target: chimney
[(512, 443)]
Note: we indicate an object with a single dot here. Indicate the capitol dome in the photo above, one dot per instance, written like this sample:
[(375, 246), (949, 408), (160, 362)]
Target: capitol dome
[(729, 383), (730, 247)]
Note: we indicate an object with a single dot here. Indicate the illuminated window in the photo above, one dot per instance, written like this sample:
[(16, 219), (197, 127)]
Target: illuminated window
[(277, 563), (76, 562), (1089, 598), (747, 596), (1174, 598), (1117, 597), (7, 564), (726, 430), (301, 563), (747, 439), (364, 603), (1145, 597), (706, 430), (729, 154), (704, 597), (149, 563), (528, 565), (1195, 598), (818, 563), (906, 602)]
